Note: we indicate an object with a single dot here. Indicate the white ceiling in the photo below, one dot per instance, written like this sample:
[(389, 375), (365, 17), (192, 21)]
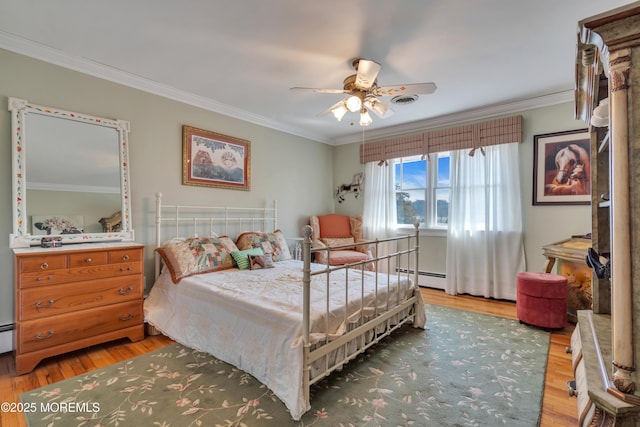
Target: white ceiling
[(240, 58)]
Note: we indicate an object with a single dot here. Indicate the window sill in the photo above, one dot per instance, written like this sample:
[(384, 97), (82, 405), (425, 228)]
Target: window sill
[(424, 231)]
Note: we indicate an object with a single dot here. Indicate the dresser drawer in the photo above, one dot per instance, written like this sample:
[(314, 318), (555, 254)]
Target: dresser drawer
[(48, 332), (125, 255), (46, 301), (88, 259), (37, 279), (42, 264)]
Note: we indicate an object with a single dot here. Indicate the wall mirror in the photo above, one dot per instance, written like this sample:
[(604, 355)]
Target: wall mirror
[(70, 176)]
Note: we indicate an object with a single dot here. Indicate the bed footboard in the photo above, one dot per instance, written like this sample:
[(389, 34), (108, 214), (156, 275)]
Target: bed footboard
[(332, 352)]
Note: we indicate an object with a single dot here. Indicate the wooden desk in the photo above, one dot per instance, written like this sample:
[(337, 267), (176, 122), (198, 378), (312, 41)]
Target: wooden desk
[(570, 255)]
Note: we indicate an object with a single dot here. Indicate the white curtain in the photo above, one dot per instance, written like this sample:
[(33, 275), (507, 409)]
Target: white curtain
[(379, 214), (485, 249)]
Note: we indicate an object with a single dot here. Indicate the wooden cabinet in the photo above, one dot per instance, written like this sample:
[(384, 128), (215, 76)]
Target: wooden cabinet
[(75, 296), (608, 336)]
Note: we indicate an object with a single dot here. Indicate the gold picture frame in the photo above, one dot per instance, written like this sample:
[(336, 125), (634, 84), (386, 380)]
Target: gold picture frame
[(211, 159)]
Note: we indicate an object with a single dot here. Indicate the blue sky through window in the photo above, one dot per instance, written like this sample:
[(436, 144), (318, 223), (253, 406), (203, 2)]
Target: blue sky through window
[(425, 186), (414, 173)]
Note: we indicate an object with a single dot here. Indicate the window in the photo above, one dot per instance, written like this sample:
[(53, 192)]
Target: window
[(422, 190)]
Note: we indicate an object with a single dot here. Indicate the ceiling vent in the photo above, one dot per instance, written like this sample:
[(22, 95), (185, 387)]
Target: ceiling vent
[(404, 99)]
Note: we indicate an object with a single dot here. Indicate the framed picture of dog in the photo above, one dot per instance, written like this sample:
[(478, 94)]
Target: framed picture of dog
[(562, 168)]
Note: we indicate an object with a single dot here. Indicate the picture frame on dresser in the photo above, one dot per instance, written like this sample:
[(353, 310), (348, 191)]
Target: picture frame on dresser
[(562, 168)]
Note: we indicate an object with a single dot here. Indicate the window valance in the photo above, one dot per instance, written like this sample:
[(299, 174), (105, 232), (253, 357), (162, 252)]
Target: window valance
[(476, 135)]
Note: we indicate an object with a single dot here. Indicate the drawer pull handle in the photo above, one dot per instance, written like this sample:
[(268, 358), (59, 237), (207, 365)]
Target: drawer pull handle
[(127, 291), (38, 279), (88, 260), (125, 258), (40, 337), (127, 317), (125, 269), (49, 304), (44, 266)]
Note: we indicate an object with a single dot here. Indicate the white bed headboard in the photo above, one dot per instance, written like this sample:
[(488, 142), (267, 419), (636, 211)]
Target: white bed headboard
[(175, 220)]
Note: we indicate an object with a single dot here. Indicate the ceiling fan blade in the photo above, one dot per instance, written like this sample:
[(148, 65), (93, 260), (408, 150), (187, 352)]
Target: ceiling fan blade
[(311, 89), (410, 89), (367, 73), (381, 109)]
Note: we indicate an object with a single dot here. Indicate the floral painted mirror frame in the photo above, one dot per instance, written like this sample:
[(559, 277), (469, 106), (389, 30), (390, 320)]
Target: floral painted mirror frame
[(21, 238)]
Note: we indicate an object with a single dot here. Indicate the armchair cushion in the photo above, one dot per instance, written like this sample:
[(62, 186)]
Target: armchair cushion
[(334, 225), (338, 241), (341, 257)]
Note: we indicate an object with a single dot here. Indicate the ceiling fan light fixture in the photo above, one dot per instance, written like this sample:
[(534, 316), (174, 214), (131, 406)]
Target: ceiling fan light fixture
[(380, 108), (339, 111), (363, 92), (365, 118), (354, 103)]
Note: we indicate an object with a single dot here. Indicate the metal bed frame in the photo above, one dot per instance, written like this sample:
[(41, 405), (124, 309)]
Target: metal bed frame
[(366, 333), (330, 354)]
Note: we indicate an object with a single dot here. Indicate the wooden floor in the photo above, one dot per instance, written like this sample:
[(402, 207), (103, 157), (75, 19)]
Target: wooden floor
[(558, 408)]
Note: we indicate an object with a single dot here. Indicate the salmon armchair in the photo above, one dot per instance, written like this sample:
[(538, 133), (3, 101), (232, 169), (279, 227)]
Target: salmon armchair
[(337, 230)]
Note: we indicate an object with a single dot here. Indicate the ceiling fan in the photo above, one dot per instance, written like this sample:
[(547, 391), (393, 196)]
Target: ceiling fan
[(363, 93)]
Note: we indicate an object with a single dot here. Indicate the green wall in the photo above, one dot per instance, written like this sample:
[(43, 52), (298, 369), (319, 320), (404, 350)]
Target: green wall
[(297, 172)]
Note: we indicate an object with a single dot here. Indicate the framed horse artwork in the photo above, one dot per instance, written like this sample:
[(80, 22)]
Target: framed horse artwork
[(562, 168)]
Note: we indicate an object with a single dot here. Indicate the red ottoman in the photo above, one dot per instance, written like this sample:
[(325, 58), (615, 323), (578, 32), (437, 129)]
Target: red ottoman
[(542, 299)]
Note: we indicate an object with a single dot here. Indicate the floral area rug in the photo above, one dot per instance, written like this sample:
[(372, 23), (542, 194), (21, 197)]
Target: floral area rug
[(465, 369)]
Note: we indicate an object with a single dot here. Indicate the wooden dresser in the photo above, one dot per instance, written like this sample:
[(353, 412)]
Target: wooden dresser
[(75, 296)]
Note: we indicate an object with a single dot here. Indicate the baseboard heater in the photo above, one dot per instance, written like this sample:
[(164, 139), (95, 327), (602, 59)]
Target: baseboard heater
[(429, 278)]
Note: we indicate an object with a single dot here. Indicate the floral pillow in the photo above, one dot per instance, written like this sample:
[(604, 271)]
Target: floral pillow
[(270, 243), (197, 255)]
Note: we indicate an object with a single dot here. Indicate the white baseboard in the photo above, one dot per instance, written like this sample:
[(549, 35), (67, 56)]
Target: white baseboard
[(6, 341)]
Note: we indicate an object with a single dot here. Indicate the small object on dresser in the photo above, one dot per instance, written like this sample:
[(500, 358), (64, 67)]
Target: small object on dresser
[(51, 242)]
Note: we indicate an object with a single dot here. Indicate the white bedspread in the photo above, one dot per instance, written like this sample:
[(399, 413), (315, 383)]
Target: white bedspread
[(252, 319)]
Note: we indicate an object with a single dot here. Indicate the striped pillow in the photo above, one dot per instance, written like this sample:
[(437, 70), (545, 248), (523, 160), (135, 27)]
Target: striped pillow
[(242, 257)]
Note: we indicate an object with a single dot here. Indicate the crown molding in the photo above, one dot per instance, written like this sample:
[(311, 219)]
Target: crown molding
[(48, 54), (459, 118)]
